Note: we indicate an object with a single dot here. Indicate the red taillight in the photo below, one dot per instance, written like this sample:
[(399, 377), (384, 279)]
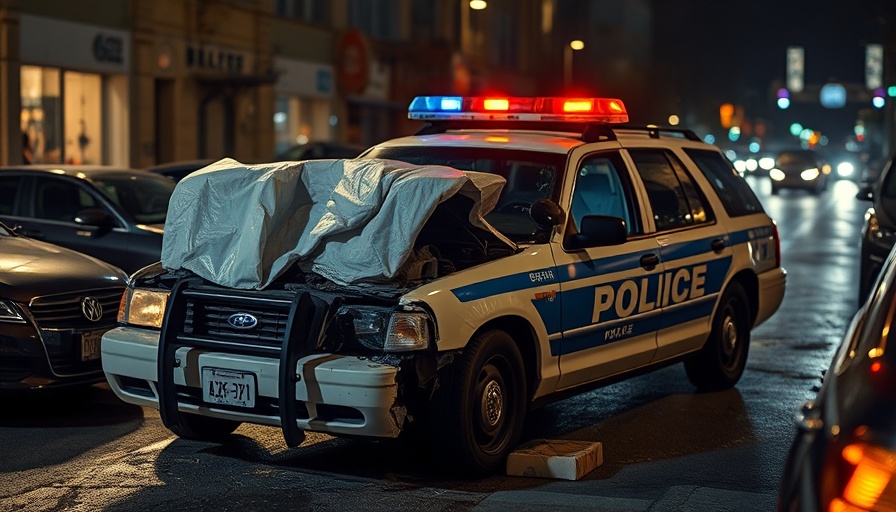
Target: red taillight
[(777, 244), (865, 480)]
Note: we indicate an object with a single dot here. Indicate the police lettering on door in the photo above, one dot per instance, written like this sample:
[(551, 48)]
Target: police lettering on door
[(621, 299)]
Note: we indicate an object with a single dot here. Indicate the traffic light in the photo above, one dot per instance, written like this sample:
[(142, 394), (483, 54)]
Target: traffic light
[(726, 113), (878, 99), (783, 98)]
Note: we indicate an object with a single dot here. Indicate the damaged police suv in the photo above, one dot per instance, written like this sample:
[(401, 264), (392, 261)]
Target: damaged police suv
[(512, 251)]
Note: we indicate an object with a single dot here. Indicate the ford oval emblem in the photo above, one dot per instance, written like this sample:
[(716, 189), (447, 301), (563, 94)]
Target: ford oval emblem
[(242, 320)]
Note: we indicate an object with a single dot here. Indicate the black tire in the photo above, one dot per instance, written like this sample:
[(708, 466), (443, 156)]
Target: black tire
[(721, 361), (203, 428), (478, 413), (775, 190)]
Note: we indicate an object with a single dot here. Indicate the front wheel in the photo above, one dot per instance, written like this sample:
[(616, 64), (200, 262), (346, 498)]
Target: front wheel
[(721, 361), (479, 412)]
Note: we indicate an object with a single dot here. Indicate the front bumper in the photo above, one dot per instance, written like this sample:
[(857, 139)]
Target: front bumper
[(335, 394), (48, 358)]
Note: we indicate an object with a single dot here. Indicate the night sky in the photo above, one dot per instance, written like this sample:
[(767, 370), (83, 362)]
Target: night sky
[(715, 51)]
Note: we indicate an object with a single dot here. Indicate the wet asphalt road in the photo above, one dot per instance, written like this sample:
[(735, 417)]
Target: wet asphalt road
[(665, 446)]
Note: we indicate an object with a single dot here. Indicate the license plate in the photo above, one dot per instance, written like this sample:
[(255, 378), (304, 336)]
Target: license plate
[(90, 345), (228, 387)]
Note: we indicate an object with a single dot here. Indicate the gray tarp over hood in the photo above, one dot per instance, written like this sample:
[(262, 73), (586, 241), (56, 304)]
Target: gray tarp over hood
[(241, 226)]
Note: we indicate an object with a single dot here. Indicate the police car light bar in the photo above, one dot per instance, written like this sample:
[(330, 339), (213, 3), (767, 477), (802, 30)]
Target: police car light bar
[(479, 108)]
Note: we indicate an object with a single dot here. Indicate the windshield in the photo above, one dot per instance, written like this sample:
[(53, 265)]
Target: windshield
[(797, 158), (530, 176), (144, 197)]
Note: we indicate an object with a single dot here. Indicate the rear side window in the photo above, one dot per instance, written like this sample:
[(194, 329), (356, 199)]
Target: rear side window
[(674, 198), (8, 187), (736, 195)]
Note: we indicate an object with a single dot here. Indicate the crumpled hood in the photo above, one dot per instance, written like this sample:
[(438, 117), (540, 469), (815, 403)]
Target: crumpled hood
[(30, 268), (241, 226)]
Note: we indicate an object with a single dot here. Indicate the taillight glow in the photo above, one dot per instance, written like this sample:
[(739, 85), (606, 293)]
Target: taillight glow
[(868, 486), (777, 245)]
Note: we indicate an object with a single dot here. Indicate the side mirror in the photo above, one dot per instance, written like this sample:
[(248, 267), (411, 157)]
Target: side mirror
[(598, 231), (866, 192), (94, 217), (546, 214)]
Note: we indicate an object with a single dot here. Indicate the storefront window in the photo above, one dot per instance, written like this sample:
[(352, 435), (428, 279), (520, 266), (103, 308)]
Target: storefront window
[(61, 116), (83, 118), (41, 115), (300, 120)]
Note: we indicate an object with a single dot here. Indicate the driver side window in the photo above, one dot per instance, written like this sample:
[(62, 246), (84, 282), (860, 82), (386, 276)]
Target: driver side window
[(60, 200), (599, 190)]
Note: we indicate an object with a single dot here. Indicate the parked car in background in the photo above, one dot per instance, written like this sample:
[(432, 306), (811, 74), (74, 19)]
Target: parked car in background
[(879, 230), (800, 169), (318, 150), (178, 170), (111, 213), (843, 456), (55, 305)]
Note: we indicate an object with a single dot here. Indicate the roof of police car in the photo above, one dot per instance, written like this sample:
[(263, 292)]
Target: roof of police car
[(529, 140), (545, 142)]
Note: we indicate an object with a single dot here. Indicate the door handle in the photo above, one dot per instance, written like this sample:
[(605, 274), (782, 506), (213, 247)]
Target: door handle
[(649, 261), (718, 245)]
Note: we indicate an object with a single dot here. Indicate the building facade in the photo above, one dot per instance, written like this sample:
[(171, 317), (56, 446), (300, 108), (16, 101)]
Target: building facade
[(140, 82)]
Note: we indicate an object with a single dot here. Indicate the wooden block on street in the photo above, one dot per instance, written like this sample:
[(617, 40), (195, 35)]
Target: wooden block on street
[(555, 458)]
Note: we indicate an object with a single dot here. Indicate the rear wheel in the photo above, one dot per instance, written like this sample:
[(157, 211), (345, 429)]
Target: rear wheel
[(721, 361), (203, 428), (479, 411)]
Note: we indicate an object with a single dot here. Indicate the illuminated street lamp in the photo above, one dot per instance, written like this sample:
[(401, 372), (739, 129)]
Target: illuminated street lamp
[(567, 59), (478, 5)]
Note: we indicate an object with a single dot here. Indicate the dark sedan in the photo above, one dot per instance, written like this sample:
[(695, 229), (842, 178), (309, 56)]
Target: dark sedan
[(179, 170), (843, 457), (114, 214), (802, 169), (879, 231), (55, 305)]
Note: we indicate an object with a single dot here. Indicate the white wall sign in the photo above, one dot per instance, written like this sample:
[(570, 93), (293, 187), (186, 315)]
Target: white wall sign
[(874, 66), (74, 45), (795, 68)]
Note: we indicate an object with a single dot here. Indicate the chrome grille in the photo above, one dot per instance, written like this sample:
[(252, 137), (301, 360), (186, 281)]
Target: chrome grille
[(206, 317), (64, 311)]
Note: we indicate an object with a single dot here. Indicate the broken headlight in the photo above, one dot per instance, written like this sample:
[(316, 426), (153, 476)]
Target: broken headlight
[(387, 330)]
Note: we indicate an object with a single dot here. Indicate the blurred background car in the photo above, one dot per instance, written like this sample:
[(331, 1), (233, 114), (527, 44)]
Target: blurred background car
[(843, 455), (879, 230), (318, 150), (55, 305), (800, 169), (113, 214), (846, 164), (176, 171)]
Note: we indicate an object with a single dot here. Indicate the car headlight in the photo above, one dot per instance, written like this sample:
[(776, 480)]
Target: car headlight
[(810, 174), (389, 330), (143, 306), (845, 169), (9, 312), (776, 174)]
